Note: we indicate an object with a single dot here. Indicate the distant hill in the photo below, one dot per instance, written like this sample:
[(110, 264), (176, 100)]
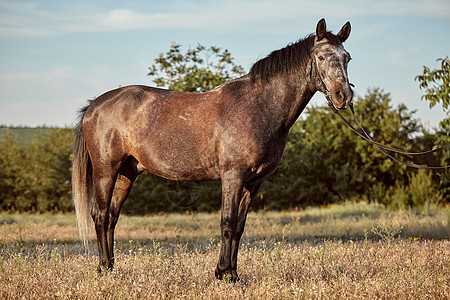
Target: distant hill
[(24, 134)]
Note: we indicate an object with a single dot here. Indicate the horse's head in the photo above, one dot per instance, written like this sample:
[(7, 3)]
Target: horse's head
[(329, 65)]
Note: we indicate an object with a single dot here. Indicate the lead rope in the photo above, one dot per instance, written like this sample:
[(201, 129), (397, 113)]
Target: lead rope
[(366, 137), (382, 147)]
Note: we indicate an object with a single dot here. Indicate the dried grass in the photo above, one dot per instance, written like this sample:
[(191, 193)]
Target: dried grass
[(313, 254)]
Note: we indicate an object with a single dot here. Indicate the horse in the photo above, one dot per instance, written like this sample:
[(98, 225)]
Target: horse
[(235, 133)]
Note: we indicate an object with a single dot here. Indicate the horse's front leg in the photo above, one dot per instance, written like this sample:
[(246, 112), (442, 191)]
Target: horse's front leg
[(232, 184), (248, 194)]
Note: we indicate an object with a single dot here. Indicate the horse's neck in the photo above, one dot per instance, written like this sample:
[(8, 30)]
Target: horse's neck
[(289, 96)]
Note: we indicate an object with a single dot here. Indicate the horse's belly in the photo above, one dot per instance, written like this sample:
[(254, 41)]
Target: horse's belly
[(181, 172), (185, 164)]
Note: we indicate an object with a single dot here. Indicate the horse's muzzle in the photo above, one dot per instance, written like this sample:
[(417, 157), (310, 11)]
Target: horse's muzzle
[(342, 98)]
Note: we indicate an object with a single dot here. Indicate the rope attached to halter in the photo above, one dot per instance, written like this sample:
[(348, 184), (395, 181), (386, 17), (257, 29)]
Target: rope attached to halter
[(383, 147), (313, 71)]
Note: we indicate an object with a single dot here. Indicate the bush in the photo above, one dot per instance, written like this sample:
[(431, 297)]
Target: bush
[(420, 191), (35, 176)]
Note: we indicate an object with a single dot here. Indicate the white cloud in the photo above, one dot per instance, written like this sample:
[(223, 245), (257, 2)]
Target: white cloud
[(49, 97), (31, 20), (54, 79)]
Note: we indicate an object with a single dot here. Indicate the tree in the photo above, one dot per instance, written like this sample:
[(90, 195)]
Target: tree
[(198, 70), (35, 176), (10, 158), (436, 84), (55, 149)]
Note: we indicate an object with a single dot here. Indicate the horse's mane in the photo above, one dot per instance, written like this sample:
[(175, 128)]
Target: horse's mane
[(286, 59)]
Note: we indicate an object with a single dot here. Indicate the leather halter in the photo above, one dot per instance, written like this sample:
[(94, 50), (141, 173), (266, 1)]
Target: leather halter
[(364, 135), (317, 46), (313, 69)]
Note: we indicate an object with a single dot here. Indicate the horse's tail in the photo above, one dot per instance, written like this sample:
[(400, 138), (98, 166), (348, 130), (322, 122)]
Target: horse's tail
[(82, 183)]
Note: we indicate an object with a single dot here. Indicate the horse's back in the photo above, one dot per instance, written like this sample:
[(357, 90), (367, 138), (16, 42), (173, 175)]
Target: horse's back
[(182, 136), (171, 134)]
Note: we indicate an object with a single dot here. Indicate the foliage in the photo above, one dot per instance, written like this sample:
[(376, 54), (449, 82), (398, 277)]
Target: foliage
[(387, 231), (436, 85), (35, 176), (198, 70), (419, 191)]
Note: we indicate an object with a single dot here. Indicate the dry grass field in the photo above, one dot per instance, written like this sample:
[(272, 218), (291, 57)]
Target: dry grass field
[(351, 251)]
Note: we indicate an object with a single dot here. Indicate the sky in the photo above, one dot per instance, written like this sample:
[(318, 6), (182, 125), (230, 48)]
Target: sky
[(55, 55)]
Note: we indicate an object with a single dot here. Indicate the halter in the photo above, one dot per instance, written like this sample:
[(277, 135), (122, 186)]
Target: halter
[(317, 46), (313, 69), (364, 135)]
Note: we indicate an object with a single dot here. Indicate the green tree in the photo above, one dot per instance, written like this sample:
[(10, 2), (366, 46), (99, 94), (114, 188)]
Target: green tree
[(10, 157), (197, 70), (436, 85), (22, 179), (35, 176), (55, 154)]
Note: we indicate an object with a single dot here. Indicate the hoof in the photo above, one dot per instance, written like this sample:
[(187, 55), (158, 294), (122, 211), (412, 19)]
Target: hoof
[(104, 270), (230, 276)]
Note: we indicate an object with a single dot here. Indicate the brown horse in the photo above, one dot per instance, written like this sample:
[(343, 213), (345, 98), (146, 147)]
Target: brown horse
[(236, 133)]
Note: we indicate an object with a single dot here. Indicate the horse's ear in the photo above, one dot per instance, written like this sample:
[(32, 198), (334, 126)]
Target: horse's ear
[(321, 29), (345, 32)]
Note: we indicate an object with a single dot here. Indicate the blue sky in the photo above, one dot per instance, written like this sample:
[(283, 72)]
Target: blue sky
[(55, 55)]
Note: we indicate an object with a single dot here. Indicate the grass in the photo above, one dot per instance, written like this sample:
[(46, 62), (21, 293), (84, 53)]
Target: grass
[(354, 251)]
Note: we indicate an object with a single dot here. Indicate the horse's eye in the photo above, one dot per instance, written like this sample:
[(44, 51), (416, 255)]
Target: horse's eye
[(321, 58)]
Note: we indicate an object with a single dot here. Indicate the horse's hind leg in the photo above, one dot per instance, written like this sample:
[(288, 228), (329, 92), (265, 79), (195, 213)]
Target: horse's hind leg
[(104, 184), (127, 174)]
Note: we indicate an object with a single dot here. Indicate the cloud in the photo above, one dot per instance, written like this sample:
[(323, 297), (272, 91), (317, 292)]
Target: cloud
[(55, 112), (54, 79), (51, 96), (33, 20)]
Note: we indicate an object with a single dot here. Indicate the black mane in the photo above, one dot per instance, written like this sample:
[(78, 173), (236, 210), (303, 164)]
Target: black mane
[(286, 59)]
